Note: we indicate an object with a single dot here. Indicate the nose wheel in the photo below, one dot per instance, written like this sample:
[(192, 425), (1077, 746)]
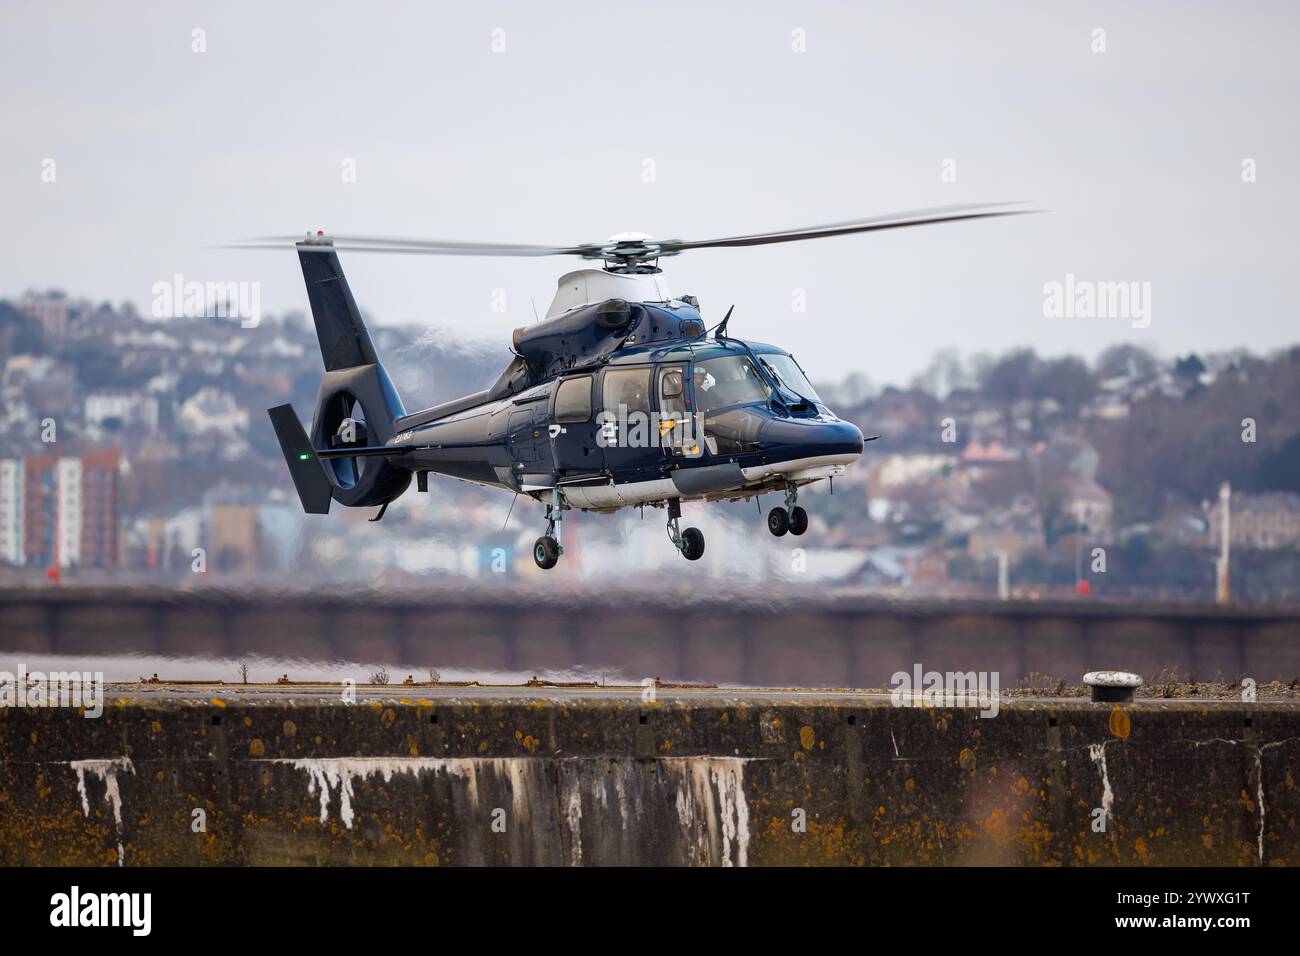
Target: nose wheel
[(790, 519), (689, 542), (547, 549)]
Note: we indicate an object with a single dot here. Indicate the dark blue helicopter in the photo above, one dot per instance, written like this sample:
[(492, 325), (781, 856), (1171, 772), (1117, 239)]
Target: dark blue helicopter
[(620, 397)]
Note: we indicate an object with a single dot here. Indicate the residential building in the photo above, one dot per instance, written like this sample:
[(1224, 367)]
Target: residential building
[(1269, 520)]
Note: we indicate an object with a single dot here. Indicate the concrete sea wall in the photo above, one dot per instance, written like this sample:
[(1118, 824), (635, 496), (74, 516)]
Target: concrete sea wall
[(224, 777)]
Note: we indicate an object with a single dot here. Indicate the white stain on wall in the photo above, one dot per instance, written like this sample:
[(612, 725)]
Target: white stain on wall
[(106, 770), (707, 794)]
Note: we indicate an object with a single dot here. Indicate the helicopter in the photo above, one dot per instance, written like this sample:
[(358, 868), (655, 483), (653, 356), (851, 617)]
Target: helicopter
[(620, 397)]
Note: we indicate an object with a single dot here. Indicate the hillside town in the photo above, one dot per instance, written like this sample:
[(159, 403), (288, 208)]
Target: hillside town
[(139, 450)]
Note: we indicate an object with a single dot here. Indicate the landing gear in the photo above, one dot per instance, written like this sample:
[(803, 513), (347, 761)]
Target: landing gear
[(692, 544), (547, 550), (791, 518), (798, 520), (689, 542)]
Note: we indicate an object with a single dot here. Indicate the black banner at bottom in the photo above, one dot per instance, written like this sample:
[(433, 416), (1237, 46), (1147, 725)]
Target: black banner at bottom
[(307, 906)]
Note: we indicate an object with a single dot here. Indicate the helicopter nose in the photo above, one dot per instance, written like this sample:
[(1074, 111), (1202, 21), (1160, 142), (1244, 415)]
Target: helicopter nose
[(838, 438), (812, 439)]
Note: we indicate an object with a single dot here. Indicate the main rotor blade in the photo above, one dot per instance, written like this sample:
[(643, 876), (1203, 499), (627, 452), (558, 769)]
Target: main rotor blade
[(629, 250), (433, 247), (899, 220)]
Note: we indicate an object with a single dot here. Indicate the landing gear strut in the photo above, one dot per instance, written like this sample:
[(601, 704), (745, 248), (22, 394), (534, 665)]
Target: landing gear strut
[(791, 518), (689, 542), (547, 549)]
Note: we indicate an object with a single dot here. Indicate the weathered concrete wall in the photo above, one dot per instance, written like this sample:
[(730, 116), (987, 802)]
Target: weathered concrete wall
[(593, 780), (840, 642)]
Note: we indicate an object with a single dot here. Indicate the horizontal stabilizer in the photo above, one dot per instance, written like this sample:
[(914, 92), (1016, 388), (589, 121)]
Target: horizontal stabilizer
[(314, 488), (363, 451)]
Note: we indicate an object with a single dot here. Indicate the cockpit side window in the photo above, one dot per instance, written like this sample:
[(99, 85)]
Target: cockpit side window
[(672, 391), (723, 382)]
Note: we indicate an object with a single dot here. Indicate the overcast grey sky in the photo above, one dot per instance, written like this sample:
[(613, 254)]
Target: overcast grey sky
[(161, 153)]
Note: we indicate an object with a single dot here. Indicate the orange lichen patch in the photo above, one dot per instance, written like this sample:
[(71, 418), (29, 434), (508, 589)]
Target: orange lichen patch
[(666, 745), (387, 717), (412, 746), (966, 759), (807, 737), (35, 736), (1119, 723), (155, 727), (248, 721), (256, 747), (996, 824), (217, 702), (1140, 848)]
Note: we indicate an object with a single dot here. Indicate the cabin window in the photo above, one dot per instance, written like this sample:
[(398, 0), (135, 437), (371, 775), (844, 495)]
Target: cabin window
[(573, 400), (627, 390)]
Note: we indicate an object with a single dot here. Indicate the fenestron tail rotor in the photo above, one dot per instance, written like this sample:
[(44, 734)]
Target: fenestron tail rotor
[(633, 252)]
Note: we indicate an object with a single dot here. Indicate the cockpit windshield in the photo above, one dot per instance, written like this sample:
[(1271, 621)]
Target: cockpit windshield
[(723, 382), (788, 373)]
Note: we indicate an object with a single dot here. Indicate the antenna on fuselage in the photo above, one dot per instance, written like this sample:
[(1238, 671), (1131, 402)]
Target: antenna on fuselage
[(720, 330)]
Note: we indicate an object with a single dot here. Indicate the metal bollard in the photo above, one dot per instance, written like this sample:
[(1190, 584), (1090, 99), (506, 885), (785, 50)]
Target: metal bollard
[(1112, 686)]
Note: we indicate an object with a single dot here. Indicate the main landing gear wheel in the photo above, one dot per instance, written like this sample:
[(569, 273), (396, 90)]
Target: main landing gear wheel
[(546, 552), (689, 542), (692, 544), (778, 521), (798, 520)]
